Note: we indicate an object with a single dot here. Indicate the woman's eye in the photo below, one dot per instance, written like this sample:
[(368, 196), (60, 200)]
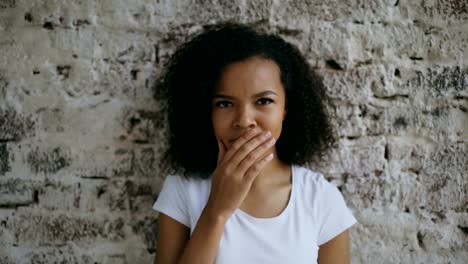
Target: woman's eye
[(222, 104), (264, 101)]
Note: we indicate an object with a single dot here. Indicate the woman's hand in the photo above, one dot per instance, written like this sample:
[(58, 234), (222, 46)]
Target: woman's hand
[(237, 168)]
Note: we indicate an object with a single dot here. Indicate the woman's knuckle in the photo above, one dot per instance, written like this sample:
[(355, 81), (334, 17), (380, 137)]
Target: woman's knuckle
[(250, 170), (226, 169), (242, 165), (244, 148), (236, 146), (250, 173), (251, 158)]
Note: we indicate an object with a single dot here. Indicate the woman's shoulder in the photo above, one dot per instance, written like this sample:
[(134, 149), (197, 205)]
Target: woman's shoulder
[(307, 176), (313, 186), (187, 182), (312, 181)]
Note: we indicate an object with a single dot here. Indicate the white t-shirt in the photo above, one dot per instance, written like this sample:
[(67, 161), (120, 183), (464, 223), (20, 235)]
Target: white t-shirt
[(316, 213)]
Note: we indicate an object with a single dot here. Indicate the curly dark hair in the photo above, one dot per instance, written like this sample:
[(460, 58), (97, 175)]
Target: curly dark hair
[(187, 86)]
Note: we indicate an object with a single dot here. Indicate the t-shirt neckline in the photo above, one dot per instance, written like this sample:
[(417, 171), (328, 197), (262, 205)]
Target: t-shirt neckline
[(285, 211)]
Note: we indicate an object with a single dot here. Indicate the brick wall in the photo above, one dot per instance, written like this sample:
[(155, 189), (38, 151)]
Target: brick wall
[(81, 136)]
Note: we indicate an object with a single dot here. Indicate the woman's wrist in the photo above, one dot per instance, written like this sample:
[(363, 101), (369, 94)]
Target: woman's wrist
[(215, 216)]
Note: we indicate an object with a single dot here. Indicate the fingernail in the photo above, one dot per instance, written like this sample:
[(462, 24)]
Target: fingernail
[(269, 157), (268, 133)]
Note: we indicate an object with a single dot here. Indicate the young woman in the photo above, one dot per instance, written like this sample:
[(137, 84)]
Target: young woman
[(245, 110)]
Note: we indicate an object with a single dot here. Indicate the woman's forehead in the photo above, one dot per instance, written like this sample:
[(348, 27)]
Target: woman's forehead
[(253, 75)]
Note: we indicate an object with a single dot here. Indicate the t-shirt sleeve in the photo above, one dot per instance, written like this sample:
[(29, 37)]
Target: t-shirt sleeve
[(172, 200), (335, 216)]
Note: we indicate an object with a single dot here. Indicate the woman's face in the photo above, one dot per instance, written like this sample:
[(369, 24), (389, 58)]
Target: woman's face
[(249, 95)]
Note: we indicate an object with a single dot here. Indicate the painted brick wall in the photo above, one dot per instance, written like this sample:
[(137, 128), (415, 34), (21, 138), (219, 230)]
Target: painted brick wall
[(81, 136)]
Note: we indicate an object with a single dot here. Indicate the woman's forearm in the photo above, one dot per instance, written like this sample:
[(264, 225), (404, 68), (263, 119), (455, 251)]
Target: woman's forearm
[(204, 244)]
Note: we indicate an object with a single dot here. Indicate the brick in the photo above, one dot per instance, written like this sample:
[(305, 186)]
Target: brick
[(59, 14), (446, 8), (71, 196), (43, 255), (4, 4), (70, 253), (296, 35), (147, 161), (132, 17), (399, 231), (62, 255), (97, 196), (176, 36), (118, 197), (34, 228), (3, 86), (143, 126), (104, 162), (444, 238), (206, 10), (117, 258), (125, 63), (129, 195), (301, 9), (6, 260), (4, 159), (124, 67), (16, 192), (52, 120), (14, 126), (439, 82), (368, 42), (318, 52), (141, 196), (258, 10), (354, 157), (387, 82), (424, 169), (148, 13), (48, 160), (377, 84), (353, 85), (439, 123), (357, 120), (370, 191), (407, 153), (146, 228), (444, 178), (346, 121), (447, 81)]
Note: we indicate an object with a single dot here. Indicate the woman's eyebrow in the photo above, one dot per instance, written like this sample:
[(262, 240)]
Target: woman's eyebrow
[(261, 94), (222, 96)]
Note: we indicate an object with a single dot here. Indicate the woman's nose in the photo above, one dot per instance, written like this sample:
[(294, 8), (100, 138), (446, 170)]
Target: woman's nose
[(245, 119)]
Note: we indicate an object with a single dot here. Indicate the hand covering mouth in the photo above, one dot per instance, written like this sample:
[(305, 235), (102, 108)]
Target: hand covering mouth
[(230, 141)]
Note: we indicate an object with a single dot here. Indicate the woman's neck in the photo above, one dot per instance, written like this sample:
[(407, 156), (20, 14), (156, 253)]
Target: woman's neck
[(274, 172)]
